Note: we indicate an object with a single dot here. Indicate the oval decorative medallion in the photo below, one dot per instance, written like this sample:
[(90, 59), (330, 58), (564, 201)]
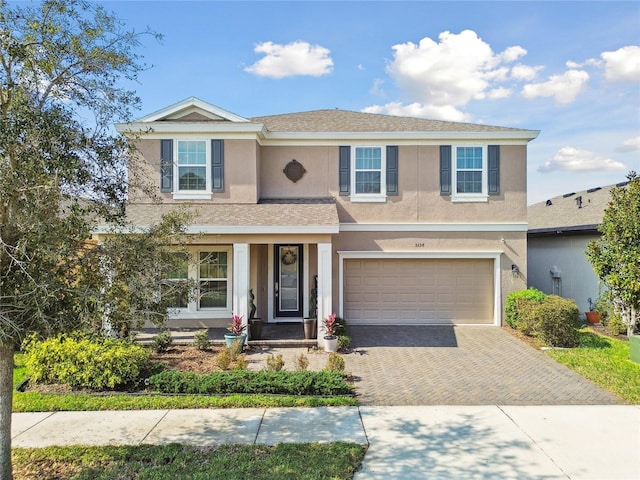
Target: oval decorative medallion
[(294, 170)]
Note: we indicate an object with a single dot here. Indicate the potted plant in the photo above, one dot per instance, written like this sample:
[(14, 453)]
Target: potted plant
[(237, 329), (593, 316), (311, 323), (255, 323), (330, 338)]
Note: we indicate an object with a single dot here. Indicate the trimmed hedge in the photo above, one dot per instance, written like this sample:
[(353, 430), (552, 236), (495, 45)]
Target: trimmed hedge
[(554, 321), (250, 382), (523, 299), (85, 362)]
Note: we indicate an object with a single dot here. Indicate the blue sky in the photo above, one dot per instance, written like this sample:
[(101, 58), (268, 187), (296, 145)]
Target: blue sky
[(569, 69)]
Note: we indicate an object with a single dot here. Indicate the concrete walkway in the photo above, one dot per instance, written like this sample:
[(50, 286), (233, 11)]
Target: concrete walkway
[(441, 442)]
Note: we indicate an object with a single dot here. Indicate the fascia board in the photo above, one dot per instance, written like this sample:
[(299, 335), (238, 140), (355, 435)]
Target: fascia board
[(434, 227), (146, 130), (519, 136)]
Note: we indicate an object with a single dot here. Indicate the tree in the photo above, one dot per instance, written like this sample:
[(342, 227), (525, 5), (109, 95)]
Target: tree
[(616, 255), (60, 172)]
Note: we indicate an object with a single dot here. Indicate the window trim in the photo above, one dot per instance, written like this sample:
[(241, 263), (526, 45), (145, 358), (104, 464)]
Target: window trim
[(193, 309), (369, 197), (192, 194), (482, 196), (229, 278)]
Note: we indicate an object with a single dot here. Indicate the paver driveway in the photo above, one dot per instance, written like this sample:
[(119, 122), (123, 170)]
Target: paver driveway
[(474, 365)]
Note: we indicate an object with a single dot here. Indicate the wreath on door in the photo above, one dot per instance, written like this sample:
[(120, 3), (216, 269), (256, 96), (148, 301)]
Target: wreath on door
[(288, 256)]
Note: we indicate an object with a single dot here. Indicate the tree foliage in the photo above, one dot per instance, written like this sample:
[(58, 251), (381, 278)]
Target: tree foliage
[(63, 64), (616, 255)]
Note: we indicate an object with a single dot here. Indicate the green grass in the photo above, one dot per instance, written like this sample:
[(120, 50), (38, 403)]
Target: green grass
[(285, 461), (604, 361), (41, 402)]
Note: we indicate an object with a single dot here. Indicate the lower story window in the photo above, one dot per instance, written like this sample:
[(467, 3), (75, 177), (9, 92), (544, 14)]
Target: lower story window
[(213, 282), (175, 290), (199, 281)]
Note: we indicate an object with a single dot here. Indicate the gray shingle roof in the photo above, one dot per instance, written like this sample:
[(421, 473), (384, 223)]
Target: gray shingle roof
[(309, 215), (348, 121), (564, 213)]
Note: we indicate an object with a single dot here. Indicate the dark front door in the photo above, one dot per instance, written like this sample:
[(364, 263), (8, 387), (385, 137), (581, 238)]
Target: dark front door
[(288, 280)]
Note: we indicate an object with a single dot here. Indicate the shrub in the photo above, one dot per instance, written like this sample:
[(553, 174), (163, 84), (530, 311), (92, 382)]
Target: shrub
[(341, 327), (201, 339), (344, 342), (86, 362), (615, 325), (231, 359), (162, 341), (274, 364), (519, 300), (250, 382), (302, 362), (554, 321), (335, 363)]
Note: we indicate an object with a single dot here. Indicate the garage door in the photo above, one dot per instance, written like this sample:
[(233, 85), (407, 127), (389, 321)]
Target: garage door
[(420, 291)]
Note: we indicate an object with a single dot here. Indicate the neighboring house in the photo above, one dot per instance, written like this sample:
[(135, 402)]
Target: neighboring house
[(559, 230), (403, 220)]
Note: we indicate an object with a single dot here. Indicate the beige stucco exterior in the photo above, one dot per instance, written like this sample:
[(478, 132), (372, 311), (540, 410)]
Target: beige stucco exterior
[(418, 222)]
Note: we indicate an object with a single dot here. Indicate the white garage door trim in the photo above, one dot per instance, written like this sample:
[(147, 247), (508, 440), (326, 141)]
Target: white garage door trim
[(492, 254)]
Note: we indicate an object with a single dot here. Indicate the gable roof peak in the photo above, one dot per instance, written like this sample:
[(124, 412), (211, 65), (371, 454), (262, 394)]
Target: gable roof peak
[(191, 105)]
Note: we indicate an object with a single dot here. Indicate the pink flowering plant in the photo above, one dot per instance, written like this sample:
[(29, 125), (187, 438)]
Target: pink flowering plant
[(330, 325), (236, 327)]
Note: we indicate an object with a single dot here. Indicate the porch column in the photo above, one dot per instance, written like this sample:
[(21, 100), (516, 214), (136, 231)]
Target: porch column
[(324, 287), (241, 267)]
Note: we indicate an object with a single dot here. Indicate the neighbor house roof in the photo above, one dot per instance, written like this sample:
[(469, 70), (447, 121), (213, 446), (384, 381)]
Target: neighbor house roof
[(574, 212), (313, 216)]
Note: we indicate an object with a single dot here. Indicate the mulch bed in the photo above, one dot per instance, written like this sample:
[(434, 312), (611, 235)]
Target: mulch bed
[(187, 358)]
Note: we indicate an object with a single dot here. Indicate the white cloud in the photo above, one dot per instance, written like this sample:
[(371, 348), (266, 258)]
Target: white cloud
[(440, 77), (570, 159), (444, 112), (563, 88), (296, 58), (525, 72), (623, 64), (631, 145), (377, 89), (500, 92)]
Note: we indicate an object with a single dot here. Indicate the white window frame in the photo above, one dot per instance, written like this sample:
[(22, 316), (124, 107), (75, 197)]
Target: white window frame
[(193, 311), (369, 197), (229, 278), (482, 196), (192, 194), (180, 279)]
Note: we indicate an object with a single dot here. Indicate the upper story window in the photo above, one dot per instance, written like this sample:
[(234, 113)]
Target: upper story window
[(470, 173), (368, 170), (191, 169), (192, 165)]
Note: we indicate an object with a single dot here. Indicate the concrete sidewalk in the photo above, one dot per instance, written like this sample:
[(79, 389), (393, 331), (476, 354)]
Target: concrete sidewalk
[(478, 442)]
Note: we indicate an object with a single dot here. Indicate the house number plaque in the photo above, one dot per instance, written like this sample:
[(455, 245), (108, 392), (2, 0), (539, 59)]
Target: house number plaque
[(294, 170)]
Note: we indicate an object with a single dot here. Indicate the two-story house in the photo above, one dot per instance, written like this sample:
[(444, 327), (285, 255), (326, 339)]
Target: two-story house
[(403, 220)]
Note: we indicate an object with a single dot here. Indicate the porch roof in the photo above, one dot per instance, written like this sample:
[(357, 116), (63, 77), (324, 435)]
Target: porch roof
[(309, 216)]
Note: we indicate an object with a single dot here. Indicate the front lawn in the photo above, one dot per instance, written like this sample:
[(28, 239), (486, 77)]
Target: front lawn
[(47, 402), (285, 461), (604, 361)]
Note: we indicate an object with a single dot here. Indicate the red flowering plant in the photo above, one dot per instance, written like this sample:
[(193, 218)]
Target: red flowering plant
[(236, 327), (330, 325)]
